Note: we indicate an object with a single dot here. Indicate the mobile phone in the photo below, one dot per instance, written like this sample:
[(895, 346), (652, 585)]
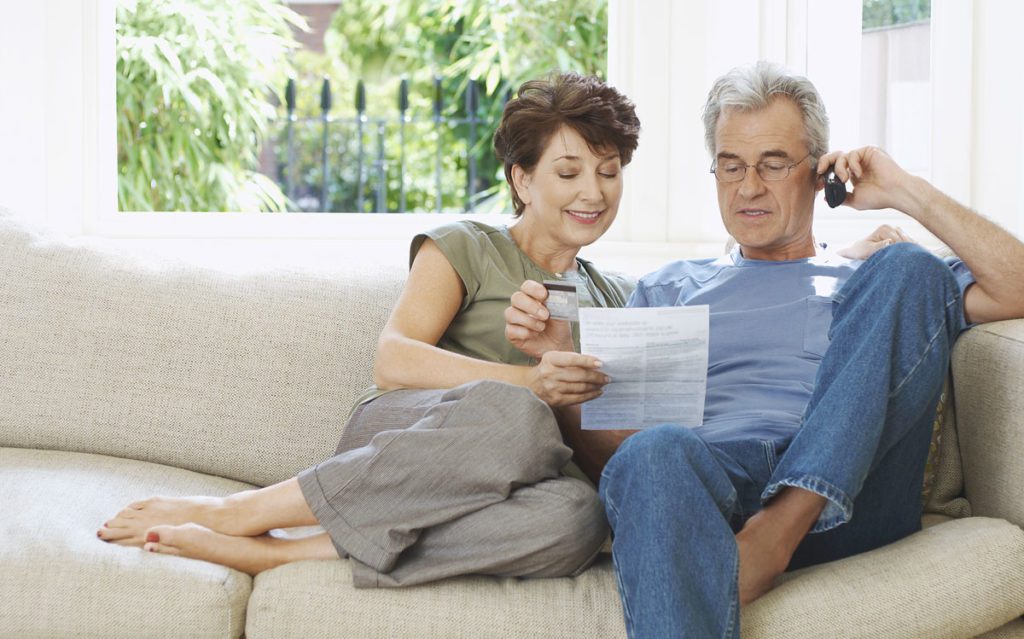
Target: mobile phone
[(835, 190)]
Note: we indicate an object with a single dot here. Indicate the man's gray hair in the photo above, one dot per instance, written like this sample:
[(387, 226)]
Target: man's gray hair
[(753, 87)]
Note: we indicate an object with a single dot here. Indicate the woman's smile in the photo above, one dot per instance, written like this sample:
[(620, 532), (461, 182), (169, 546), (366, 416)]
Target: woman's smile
[(584, 217)]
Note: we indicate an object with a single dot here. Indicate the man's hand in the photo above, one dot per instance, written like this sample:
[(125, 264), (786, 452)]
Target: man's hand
[(878, 181), (995, 257), (880, 238), (566, 378), (528, 324)]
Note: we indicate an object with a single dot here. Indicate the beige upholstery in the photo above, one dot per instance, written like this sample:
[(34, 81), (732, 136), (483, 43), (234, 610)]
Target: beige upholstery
[(316, 599), (877, 594), (989, 361), (915, 588), (260, 369), (58, 579), (174, 378)]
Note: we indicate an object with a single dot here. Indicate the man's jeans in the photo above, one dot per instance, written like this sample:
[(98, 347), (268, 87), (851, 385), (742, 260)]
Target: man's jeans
[(675, 501)]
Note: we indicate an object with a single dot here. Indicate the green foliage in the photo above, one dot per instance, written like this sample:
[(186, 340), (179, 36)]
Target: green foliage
[(193, 80), (499, 43), (884, 13), (192, 85), (421, 155)]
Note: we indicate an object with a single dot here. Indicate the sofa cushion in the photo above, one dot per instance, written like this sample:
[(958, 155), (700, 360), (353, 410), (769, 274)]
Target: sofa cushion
[(988, 366), (955, 579), (59, 580), (316, 599), (109, 353)]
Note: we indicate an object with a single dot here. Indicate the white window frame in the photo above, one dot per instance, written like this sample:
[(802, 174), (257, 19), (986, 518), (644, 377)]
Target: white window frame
[(663, 53), (98, 214)]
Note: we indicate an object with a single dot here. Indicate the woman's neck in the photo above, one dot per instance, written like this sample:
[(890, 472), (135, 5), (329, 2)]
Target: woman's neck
[(543, 253)]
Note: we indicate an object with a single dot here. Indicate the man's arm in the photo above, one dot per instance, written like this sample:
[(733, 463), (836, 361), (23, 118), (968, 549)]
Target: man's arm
[(591, 448), (995, 257)]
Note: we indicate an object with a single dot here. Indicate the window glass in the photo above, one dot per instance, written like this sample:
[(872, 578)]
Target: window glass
[(896, 105), (357, 106)]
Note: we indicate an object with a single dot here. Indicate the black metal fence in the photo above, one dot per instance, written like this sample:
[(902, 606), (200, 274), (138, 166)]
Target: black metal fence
[(355, 156)]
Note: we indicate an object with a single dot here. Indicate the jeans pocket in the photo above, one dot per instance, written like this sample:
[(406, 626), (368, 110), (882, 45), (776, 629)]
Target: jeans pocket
[(817, 320)]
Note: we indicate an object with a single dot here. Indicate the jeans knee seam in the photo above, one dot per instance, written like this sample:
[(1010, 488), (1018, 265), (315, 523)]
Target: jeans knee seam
[(626, 614), (613, 511), (734, 599), (928, 349)]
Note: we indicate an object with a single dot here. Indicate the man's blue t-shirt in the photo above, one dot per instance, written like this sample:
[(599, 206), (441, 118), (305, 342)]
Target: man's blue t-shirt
[(769, 325)]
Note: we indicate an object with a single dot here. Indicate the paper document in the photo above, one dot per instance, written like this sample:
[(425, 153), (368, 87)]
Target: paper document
[(657, 359)]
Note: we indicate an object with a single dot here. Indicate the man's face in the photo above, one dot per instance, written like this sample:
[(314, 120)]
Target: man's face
[(771, 220)]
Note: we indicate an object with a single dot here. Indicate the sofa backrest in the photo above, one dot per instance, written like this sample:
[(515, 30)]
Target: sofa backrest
[(249, 377)]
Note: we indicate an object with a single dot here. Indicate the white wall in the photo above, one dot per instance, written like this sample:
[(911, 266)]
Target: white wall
[(56, 168), (996, 123), (23, 130)]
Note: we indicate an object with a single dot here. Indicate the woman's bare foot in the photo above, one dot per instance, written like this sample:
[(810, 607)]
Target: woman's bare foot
[(244, 514), (248, 554), (129, 526)]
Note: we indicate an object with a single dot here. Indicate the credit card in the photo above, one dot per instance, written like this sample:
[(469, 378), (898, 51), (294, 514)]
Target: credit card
[(562, 302)]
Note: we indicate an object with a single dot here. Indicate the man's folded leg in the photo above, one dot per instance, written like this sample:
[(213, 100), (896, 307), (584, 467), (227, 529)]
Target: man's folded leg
[(671, 501), (865, 433)]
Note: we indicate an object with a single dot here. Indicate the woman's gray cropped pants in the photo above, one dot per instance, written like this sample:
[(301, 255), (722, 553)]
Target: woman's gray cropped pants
[(431, 484)]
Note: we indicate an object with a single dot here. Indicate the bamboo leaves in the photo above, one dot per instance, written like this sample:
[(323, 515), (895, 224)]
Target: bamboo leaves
[(193, 80)]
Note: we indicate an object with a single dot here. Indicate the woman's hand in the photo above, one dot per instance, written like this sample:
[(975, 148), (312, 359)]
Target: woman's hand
[(882, 237), (528, 324), (566, 378)]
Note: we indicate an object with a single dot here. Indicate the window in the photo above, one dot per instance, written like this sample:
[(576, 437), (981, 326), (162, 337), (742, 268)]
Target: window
[(391, 106), (60, 131), (896, 91)]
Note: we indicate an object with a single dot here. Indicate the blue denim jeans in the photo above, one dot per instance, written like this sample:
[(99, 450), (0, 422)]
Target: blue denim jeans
[(675, 501)]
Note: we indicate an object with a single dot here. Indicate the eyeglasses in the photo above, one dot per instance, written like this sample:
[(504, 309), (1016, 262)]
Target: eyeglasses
[(771, 170)]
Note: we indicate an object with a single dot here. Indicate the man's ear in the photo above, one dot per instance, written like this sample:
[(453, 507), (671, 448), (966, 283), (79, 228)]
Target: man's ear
[(819, 182), (521, 183)]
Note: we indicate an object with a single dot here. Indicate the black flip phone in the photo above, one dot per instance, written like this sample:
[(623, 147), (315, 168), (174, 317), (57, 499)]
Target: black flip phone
[(835, 190)]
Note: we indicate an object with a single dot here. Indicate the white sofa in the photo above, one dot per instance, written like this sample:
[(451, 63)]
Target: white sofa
[(122, 378)]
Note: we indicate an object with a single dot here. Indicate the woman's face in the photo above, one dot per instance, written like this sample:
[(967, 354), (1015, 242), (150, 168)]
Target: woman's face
[(573, 194)]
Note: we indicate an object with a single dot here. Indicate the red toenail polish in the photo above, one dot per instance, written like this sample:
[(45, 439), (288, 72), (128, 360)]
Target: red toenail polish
[(153, 537)]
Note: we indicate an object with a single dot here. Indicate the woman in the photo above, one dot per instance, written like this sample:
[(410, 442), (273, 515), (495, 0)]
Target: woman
[(462, 476)]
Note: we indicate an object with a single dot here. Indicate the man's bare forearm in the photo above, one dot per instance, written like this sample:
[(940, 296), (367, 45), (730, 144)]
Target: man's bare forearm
[(591, 448), (995, 257)]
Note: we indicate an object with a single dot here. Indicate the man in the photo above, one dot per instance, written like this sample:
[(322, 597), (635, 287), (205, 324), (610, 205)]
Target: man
[(823, 378)]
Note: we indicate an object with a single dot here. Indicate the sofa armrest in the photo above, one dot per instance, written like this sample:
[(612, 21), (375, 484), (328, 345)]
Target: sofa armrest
[(988, 384)]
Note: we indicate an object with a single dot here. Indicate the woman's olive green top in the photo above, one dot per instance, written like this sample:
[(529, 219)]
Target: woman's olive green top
[(492, 267)]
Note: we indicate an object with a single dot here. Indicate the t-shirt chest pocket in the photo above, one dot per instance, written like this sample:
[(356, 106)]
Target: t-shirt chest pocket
[(817, 323)]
